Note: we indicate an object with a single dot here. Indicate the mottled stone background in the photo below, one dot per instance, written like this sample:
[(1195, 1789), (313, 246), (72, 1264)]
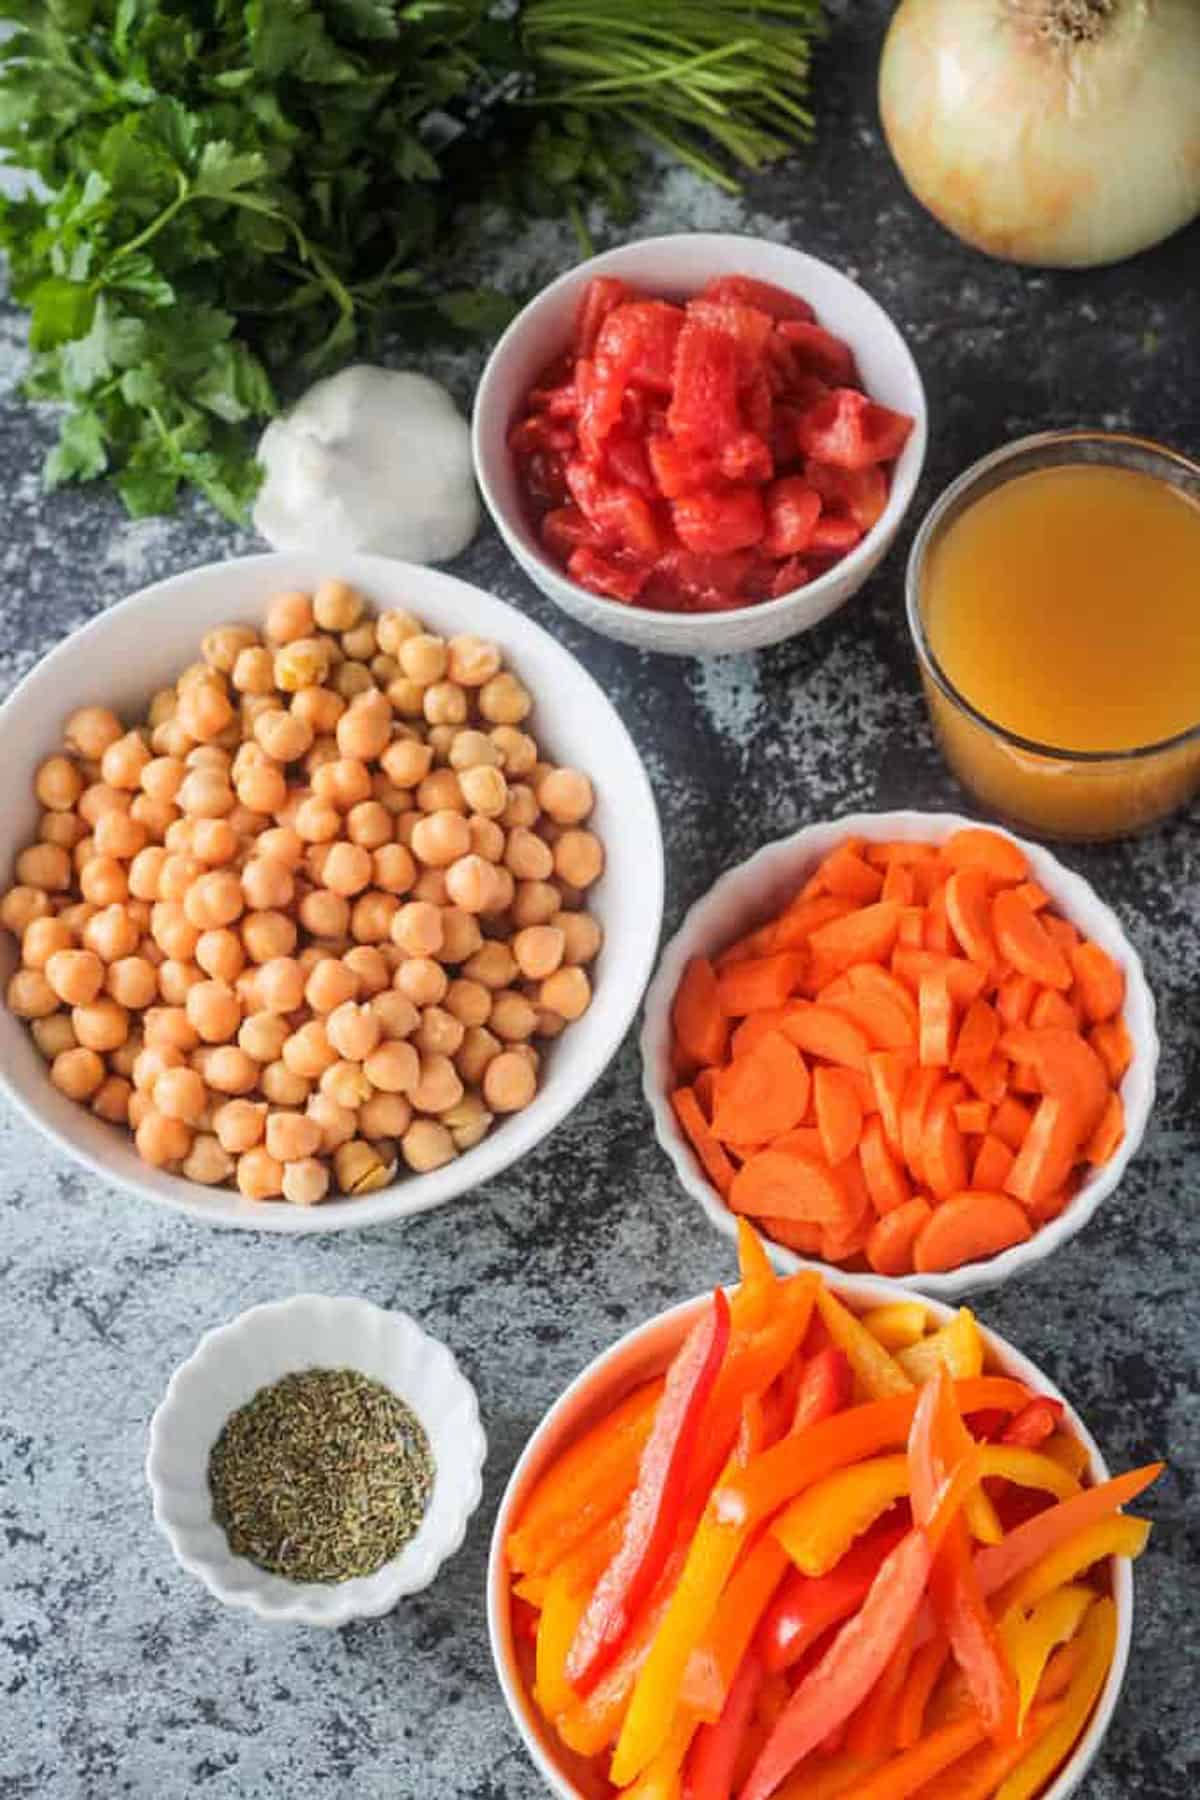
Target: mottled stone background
[(119, 1675)]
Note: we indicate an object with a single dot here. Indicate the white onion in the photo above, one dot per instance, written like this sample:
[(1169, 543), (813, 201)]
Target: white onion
[(1056, 132)]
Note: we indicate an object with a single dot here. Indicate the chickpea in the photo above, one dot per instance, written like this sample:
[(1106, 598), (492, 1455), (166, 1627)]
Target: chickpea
[(337, 1124), (579, 858), (316, 821), (422, 981), (160, 1140), (468, 1123), (262, 788), (214, 1011), (267, 935), (112, 933), (347, 869), (266, 884), (469, 1002), (330, 985), (371, 919), (476, 1051), (370, 967), (397, 1015), (566, 795), (308, 1051), (325, 915), (494, 965), (23, 904), (361, 1168), (180, 1094), (214, 841), (319, 707), (42, 938), (100, 798), (484, 789), (518, 751), (151, 1062), (353, 1030), (78, 1073), (58, 784), (417, 929), (539, 951), (445, 703), (509, 1082), (283, 735), (527, 856), (342, 782), (103, 880), (204, 710), (66, 829), (91, 730), (258, 1175), (426, 1146), (219, 953), (440, 791), (365, 728), (350, 679), (100, 1024), (111, 1100), (239, 1125), (535, 903), (568, 991), (177, 876), (393, 1067), (229, 1070), (582, 936), (207, 1162), (471, 884), (292, 1136), (132, 982), (392, 628), (422, 657), (550, 1024), (461, 936), (122, 763), (406, 762), (289, 616), (305, 1182), (222, 646), (439, 1033), (156, 815), (346, 1085), (512, 1017), (44, 866), (53, 1034), (280, 844), (441, 838), (206, 794), (301, 663), (254, 671), (76, 976), (213, 900), (283, 1086)]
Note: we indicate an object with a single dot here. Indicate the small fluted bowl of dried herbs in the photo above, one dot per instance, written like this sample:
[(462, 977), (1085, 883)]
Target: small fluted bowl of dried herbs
[(316, 1459)]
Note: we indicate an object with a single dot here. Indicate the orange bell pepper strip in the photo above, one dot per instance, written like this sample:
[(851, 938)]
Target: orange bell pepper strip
[(805, 1607), (927, 1664), (663, 1779), (713, 1756), (588, 1484), (1098, 1642), (1037, 1537), (819, 1526), (875, 1369), (1031, 1639), (827, 1779), (777, 1475), (759, 1280), (567, 1592), (850, 1668), (978, 1775), (747, 1596), (909, 1772), (658, 1501), (591, 1725)]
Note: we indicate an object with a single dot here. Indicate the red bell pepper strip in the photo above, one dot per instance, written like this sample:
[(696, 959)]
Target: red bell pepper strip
[(713, 1756), (656, 1504), (1034, 1423), (825, 1389), (850, 1667), (807, 1605)]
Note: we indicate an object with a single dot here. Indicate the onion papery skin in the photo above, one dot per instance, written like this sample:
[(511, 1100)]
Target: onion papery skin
[(1040, 148)]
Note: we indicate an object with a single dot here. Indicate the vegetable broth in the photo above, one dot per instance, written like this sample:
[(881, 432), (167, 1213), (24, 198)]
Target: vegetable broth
[(1065, 606)]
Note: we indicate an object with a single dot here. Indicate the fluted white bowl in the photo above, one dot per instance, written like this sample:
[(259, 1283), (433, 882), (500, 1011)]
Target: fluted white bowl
[(230, 1365)]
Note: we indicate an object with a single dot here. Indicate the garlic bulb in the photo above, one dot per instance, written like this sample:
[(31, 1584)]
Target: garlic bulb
[(1056, 132)]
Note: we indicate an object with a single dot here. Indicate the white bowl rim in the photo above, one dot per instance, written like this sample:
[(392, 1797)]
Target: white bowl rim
[(857, 1290), (901, 490), (817, 839), (411, 1194), (336, 1604)]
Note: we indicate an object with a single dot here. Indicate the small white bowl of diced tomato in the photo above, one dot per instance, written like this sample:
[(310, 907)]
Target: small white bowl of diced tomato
[(701, 443)]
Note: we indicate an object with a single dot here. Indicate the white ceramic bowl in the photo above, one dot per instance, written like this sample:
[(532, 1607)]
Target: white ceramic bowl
[(757, 889), (644, 1352), (674, 268), (230, 1365), (121, 657)]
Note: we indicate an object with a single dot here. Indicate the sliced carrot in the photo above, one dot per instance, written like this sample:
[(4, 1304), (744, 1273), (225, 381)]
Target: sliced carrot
[(765, 981), (1062, 932), (1049, 1152), (988, 1080), (1114, 1046), (902, 852), (886, 1181), (1109, 1134), (762, 1093), (918, 1092), (697, 1016), (1015, 998), (1041, 1211), (865, 1089), (1053, 1008), (1023, 940), (911, 932), (885, 1025), (1034, 895), (943, 1153), (865, 936), (871, 978), (888, 1071), (849, 877), (899, 885), (694, 1125), (936, 1013), (821, 1031), (1011, 1121), (975, 847), (1023, 1078), (993, 1160), (973, 1117), (779, 1185), (797, 922), (1066, 1065), (804, 1140), (929, 877), (938, 935), (1099, 981), (965, 980), (969, 910), (805, 1240), (703, 1086), (893, 1237), (755, 1027), (969, 1227), (839, 1113)]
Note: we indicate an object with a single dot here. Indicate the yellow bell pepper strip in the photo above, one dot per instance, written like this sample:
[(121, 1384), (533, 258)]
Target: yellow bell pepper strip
[(818, 1528), (977, 1775), (878, 1372), (827, 1779), (1118, 1536), (958, 1345), (591, 1725), (713, 1756), (1098, 1642), (532, 1589), (898, 1326), (663, 1779), (848, 1671), (1028, 1543), (713, 1664), (586, 1485), (568, 1591), (1060, 1671), (775, 1477), (1035, 1423), (1066, 1449), (909, 1772), (1028, 1469), (759, 1279), (658, 1501), (1031, 1638), (804, 1609)]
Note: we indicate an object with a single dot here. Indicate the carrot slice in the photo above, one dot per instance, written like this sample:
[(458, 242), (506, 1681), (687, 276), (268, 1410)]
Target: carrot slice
[(975, 847), (938, 935), (849, 877), (1015, 998), (777, 1184), (936, 1010), (902, 852), (765, 981), (804, 1140), (1114, 1046), (888, 1071), (1024, 1079), (1066, 1065), (839, 1113), (890, 1246), (918, 1092), (762, 1093), (1011, 1121), (864, 936), (988, 1080), (965, 980), (697, 1016), (872, 978), (899, 884), (969, 1227), (911, 932), (943, 1153), (973, 1117), (703, 1088), (886, 1181), (885, 1025), (1052, 1008), (1049, 1152), (1099, 981), (755, 1027), (1063, 933), (1109, 1134), (805, 1240), (1034, 895), (1023, 940), (806, 914), (993, 1160), (823, 1032), (692, 1123), (968, 908)]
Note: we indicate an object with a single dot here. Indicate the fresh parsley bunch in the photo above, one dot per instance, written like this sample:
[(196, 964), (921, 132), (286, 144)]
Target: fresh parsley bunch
[(232, 194)]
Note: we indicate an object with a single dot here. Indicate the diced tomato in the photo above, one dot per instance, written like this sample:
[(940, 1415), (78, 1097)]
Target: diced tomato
[(785, 422), (792, 512), (833, 537), (545, 479), (749, 328), (601, 296), (852, 432), (561, 402), (818, 352), (565, 529), (763, 294), (618, 578), (757, 405), (538, 433), (703, 413), (705, 582), (599, 389), (616, 508), (640, 337), (626, 459), (862, 494), (747, 458), (789, 576), (678, 471), (717, 522)]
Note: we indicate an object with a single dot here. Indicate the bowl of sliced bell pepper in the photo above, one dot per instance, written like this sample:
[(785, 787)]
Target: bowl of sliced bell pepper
[(802, 1539), (903, 1043)]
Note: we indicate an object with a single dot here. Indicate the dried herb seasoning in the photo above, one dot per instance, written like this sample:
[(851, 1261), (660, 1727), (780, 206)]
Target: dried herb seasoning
[(323, 1476)]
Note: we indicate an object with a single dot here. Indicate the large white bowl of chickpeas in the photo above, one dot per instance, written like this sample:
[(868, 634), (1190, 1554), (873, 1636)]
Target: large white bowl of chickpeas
[(327, 892)]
